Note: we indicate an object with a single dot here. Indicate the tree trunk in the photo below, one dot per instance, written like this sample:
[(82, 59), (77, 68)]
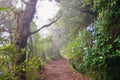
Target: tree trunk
[(23, 25), (21, 34)]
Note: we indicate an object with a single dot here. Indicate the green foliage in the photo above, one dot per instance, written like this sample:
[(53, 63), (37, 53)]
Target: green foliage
[(8, 56), (100, 55), (3, 8), (38, 46), (32, 68), (75, 46)]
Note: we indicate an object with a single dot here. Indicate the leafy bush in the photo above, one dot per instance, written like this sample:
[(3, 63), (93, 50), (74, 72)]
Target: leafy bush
[(8, 70), (101, 46)]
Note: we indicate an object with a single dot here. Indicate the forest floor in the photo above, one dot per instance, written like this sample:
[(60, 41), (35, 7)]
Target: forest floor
[(60, 69)]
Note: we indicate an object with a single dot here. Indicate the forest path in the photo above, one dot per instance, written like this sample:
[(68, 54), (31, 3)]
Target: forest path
[(60, 70)]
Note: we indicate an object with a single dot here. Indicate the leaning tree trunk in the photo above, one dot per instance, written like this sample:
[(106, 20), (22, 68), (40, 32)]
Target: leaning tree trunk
[(22, 32)]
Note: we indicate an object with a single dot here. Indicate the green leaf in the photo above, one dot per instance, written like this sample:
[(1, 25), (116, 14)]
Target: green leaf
[(3, 8)]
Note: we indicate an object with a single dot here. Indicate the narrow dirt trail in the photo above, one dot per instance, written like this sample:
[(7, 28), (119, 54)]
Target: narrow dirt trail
[(60, 70)]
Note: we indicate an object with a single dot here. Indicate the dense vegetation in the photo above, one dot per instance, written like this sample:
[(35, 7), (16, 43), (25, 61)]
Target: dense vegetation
[(88, 34), (95, 49)]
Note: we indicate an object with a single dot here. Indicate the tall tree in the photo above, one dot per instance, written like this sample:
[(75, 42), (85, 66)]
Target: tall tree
[(22, 31)]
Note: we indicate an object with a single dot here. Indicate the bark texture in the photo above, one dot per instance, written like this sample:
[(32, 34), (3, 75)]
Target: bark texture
[(23, 25), (22, 32)]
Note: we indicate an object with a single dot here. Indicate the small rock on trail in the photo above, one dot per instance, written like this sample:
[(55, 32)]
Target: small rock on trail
[(60, 70)]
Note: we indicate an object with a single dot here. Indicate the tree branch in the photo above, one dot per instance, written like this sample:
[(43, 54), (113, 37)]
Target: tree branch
[(24, 1), (47, 25), (5, 30)]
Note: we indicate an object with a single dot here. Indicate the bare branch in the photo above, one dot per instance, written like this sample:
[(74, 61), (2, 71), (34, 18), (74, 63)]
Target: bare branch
[(3, 22), (47, 25), (5, 30), (24, 1), (3, 17)]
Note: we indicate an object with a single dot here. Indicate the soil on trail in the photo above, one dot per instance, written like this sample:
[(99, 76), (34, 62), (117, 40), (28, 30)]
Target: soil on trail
[(60, 70)]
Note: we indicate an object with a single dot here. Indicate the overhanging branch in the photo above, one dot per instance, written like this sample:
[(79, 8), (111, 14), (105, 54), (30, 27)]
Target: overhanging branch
[(47, 25)]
